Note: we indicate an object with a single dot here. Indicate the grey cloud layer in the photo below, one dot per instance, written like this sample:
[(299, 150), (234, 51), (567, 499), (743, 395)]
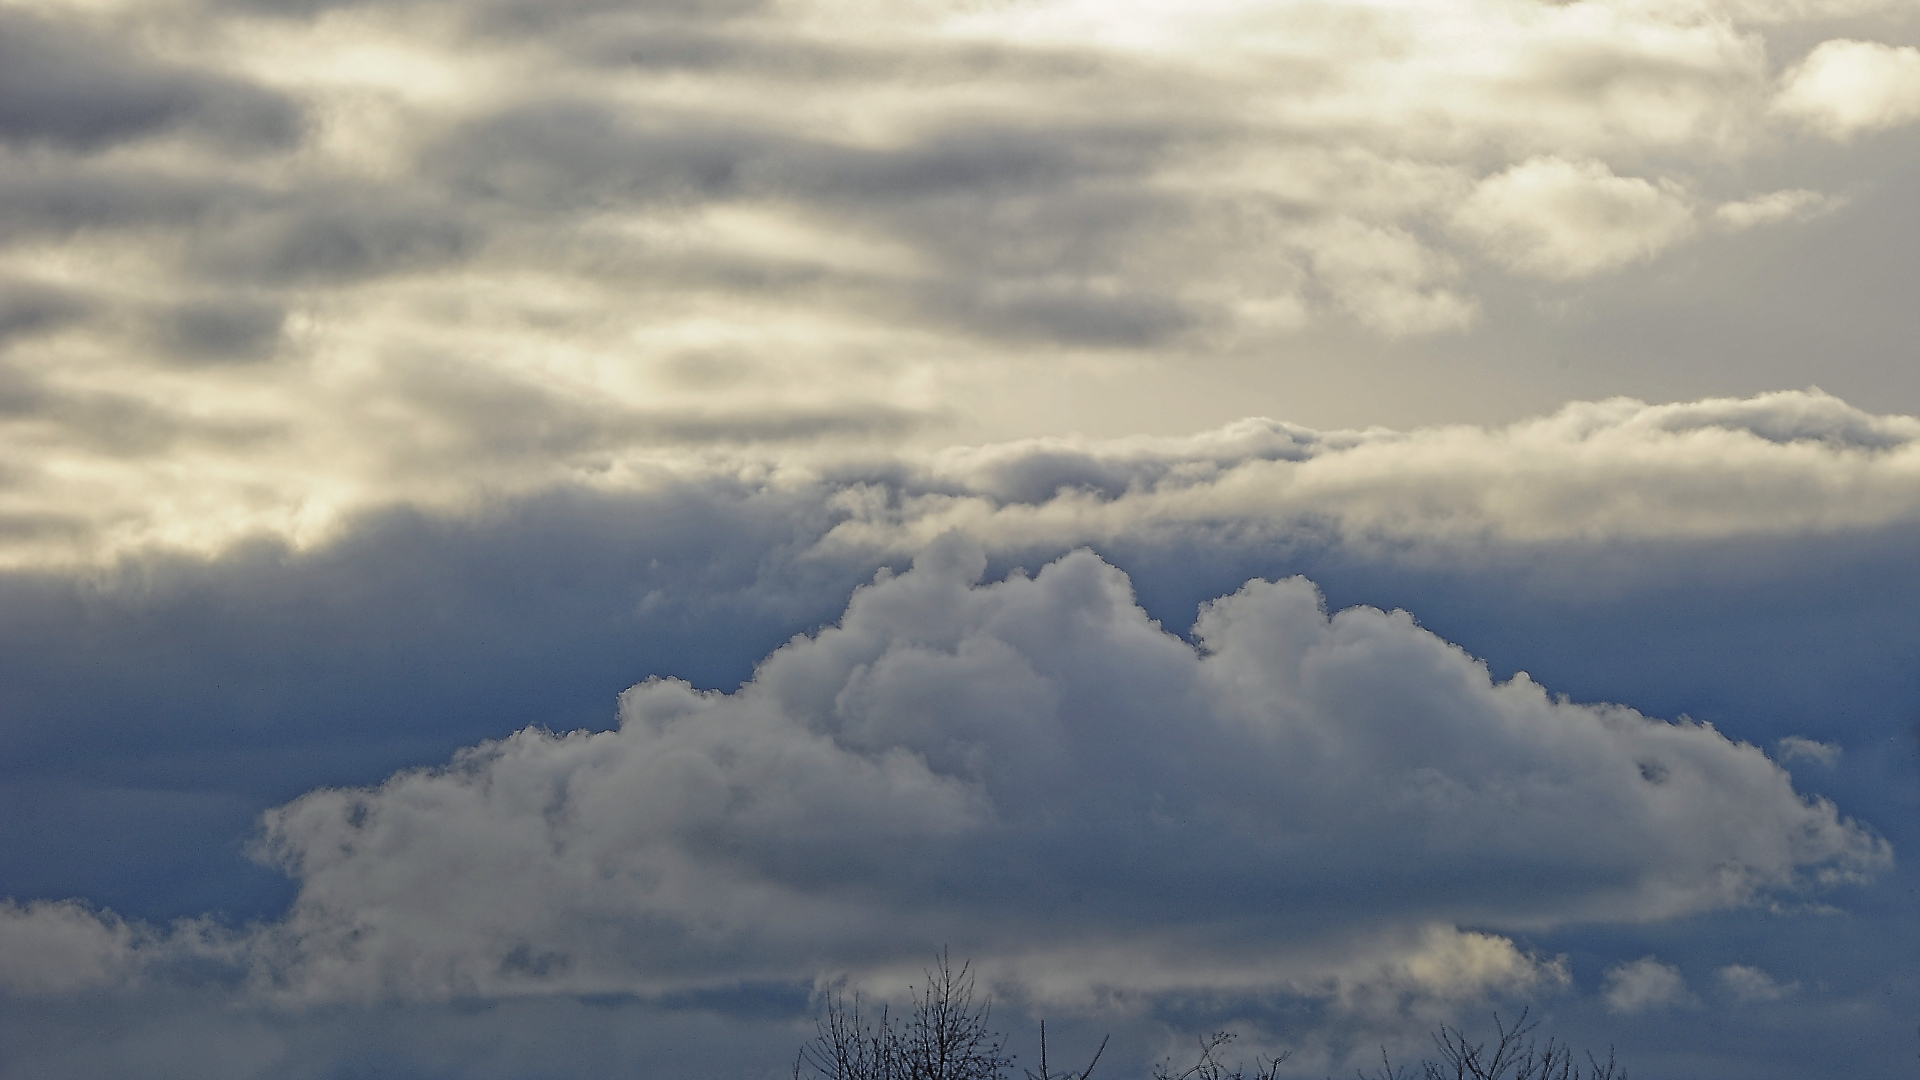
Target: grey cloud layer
[(295, 221), (81, 89)]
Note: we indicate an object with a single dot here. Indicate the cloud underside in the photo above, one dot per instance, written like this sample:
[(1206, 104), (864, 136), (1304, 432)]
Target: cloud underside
[(1032, 771)]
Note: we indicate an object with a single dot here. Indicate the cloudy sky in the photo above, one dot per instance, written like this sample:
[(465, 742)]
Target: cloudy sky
[(539, 536)]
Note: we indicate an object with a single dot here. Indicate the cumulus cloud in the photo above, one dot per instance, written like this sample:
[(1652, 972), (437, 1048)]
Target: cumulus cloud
[(1645, 984), (61, 946), (1799, 748), (1845, 88), (1032, 770), (1560, 219), (1748, 984)]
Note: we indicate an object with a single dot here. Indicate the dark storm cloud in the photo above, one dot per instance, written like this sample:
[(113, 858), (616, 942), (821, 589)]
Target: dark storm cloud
[(67, 86)]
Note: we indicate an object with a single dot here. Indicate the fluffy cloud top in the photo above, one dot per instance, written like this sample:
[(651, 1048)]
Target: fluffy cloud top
[(1566, 219), (1844, 88), (1035, 772), (1645, 984), (1749, 984)]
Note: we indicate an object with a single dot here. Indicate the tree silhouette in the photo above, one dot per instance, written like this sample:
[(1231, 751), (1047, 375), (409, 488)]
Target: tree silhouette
[(1515, 1055), (947, 1037)]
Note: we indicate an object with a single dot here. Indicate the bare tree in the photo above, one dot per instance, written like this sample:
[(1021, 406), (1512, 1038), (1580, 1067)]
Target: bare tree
[(1044, 1074), (946, 1038), (1210, 1067), (1515, 1055), (849, 1046)]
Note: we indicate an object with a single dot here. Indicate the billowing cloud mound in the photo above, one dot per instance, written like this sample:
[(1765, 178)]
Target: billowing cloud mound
[(1034, 771)]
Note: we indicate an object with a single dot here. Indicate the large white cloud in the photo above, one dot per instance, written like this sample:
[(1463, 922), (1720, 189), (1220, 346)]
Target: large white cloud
[(1035, 772)]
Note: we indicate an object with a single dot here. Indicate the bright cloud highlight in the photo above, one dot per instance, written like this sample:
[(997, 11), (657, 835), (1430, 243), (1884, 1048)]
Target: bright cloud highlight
[(1844, 88)]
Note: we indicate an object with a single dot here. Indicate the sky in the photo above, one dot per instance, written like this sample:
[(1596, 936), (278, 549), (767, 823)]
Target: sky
[(545, 538)]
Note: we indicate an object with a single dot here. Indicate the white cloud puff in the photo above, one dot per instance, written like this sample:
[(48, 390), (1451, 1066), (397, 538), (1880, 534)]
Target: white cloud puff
[(1035, 772), (64, 946), (1645, 984), (1775, 206), (1387, 278), (1799, 748), (1844, 88), (1749, 984), (1553, 218), (59, 946)]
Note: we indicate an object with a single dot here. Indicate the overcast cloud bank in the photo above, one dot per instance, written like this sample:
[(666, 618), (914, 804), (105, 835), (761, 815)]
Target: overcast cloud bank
[(268, 266)]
